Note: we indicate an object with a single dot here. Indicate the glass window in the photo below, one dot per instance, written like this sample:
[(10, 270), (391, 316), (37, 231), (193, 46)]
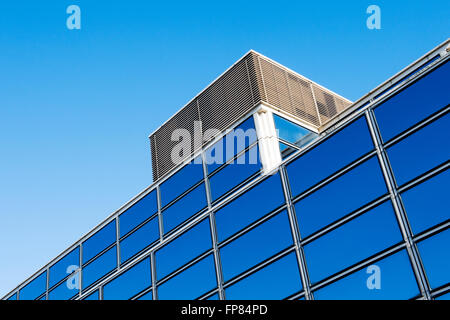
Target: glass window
[(191, 283), (249, 207), (183, 249), (182, 180), (13, 297), (292, 132), (99, 241), (65, 266), (184, 208), (93, 296), (421, 151), (138, 213), (413, 104), (255, 246), (214, 297), (130, 283), (436, 258), (35, 288), (389, 279), (340, 197), (234, 173), (147, 296), (329, 156), (427, 203), (234, 142), (99, 267), (276, 281), (66, 289), (445, 296), (356, 240), (139, 240)]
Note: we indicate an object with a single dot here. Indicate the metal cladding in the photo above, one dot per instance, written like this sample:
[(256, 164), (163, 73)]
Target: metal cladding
[(254, 79)]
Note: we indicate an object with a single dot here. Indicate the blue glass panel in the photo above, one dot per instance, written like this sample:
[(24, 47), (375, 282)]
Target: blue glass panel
[(35, 288), (214, 297), (277, 281), (340, 197), (183, 249), (184, 208), (182, 180), (414, 103), (13, 297), (93, 296), (427, 204), (259, 244), (239, 139), (444, 297), (421, 151), (139, 240), (138, 213), (249, 207), (99, 267), (396, 282), (67, 289), (66, 265), (329, 156), (147, 296), (234, 173), (191, 283), (292, 132), (436, 258), (356, 240), (99, 241), (130, 283)]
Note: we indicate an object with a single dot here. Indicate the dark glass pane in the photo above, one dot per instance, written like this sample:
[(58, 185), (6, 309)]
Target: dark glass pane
[(191, 283), (340, 197), (223, 150), (414, 103), (138, 213), (99, 267), (329, 156), (182, 180), (249, 207), (93, 296), (292, 132), (130, 283), (427, 204), (147, 296), (274, 282), (99, 241), (35, 288), (139, 240), (356, 240), (436, 258), (259, 244), (396, 282), (66, 265), (183, 249), (184, 208), (421, 151), (234, 173), (67, 289)]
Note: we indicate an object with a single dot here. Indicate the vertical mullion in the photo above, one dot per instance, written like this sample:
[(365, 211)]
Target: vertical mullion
[(153, 274), (160, 217), (118, 242), (402, 219), (212, 222), (80, 275), (296, 235)]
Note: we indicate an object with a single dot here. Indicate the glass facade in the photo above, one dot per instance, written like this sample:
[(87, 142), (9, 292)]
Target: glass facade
[(360, 212)]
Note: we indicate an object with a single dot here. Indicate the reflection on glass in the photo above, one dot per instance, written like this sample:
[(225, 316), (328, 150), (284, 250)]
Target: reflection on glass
[(389, 279), (190, 284), (276, 281), (356, 240), (292, 132)]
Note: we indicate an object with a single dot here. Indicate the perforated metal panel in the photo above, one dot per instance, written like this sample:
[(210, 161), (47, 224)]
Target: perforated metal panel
[(252, 80)]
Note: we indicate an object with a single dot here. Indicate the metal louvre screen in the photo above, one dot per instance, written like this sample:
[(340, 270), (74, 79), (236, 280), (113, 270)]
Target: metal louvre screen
[(252, 80)]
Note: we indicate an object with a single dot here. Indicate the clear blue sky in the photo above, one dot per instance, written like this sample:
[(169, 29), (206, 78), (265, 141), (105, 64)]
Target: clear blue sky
[(77, 106)]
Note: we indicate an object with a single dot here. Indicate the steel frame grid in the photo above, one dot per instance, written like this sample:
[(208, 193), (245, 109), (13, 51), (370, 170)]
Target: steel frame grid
[(370, 104)]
